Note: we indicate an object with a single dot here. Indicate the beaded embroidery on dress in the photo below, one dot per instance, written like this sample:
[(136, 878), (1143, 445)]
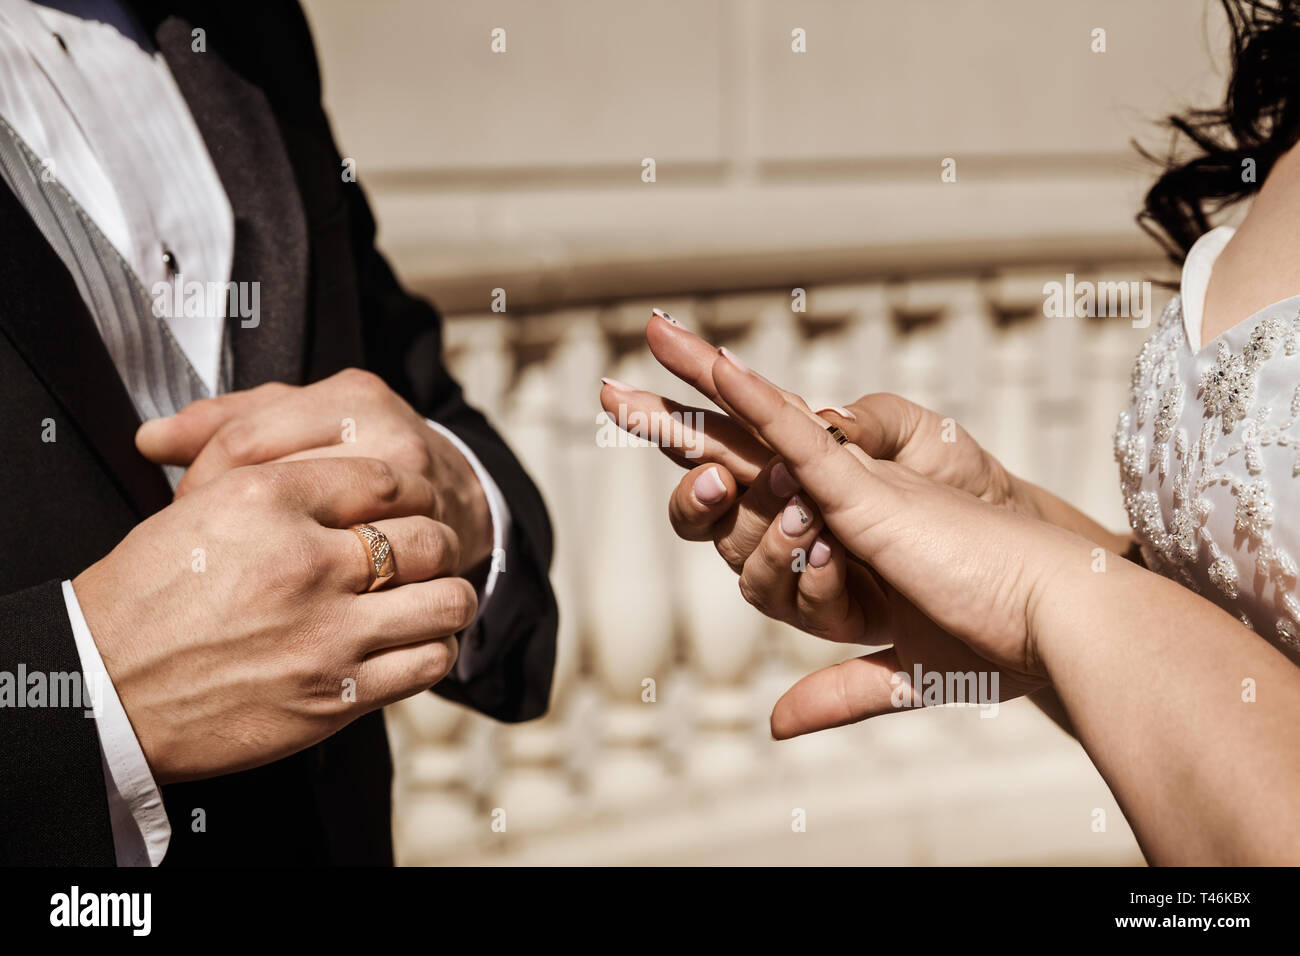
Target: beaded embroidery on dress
[(1209, 456)]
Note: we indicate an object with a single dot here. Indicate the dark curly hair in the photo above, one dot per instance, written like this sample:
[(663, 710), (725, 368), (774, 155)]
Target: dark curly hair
[(1259, 120)]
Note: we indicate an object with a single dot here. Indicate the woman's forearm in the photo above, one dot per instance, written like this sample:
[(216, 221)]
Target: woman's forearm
[(1193, 720)]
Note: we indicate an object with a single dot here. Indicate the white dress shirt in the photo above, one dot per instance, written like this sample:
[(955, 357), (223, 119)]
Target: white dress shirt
[(82, 84)]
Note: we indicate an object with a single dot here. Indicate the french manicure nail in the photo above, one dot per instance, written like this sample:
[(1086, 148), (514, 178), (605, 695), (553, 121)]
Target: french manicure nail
[(733, 358), (842, 412), (615, 383), (781, 481), (666, 317), (794, 518), (819, 554), (709, 487)]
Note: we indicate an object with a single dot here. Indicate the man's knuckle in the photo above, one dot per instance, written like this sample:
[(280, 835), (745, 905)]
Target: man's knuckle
[(448, 548), (429, 541), (300, 564), (250, 489), (411, 451), (238, 441), (455, 603), (438, 661), (273, 389), (363, 381), (384, 482)]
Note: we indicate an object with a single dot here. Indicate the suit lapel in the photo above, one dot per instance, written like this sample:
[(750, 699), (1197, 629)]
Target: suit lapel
[(47, 321)]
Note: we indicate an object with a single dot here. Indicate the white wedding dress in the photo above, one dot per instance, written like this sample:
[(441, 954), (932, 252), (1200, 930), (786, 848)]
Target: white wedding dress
[(1209, 454)]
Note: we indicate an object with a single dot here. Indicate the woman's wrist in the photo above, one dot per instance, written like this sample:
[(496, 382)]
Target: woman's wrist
[(1075, 580)]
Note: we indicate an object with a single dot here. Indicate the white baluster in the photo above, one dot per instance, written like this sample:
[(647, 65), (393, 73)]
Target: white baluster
[(550, 429), (435, 809), (631, 621), (1014, 374)]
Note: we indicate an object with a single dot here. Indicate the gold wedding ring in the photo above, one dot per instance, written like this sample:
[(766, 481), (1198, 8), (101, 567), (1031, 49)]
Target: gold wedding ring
[(838, 434), (379, 554)]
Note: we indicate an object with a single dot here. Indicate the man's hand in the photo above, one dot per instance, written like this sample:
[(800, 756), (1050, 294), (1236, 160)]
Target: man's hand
[(351, 414), (235, 623)]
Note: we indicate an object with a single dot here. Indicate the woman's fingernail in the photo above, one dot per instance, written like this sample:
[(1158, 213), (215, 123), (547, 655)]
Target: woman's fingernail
[(733, 358), (794, 518), (666, 317), (842, 412), (819, 554), (709, 487), (781, 481), (615, 383)]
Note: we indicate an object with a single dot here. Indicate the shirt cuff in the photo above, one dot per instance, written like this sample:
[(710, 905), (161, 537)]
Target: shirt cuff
[(474, 650), (141, 831)]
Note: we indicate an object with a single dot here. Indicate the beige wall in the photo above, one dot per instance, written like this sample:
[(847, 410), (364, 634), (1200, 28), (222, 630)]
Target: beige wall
[(522, 171), (523, 168)]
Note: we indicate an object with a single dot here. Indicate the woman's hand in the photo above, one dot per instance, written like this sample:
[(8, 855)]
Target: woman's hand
[(737, 494), (976, 571), (740, 496), (790, 567)]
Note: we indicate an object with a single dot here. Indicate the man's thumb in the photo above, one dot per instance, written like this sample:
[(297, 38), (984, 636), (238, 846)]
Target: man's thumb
[(178, 439)]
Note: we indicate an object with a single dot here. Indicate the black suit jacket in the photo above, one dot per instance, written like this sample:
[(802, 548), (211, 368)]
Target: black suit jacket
[(328, 301)]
